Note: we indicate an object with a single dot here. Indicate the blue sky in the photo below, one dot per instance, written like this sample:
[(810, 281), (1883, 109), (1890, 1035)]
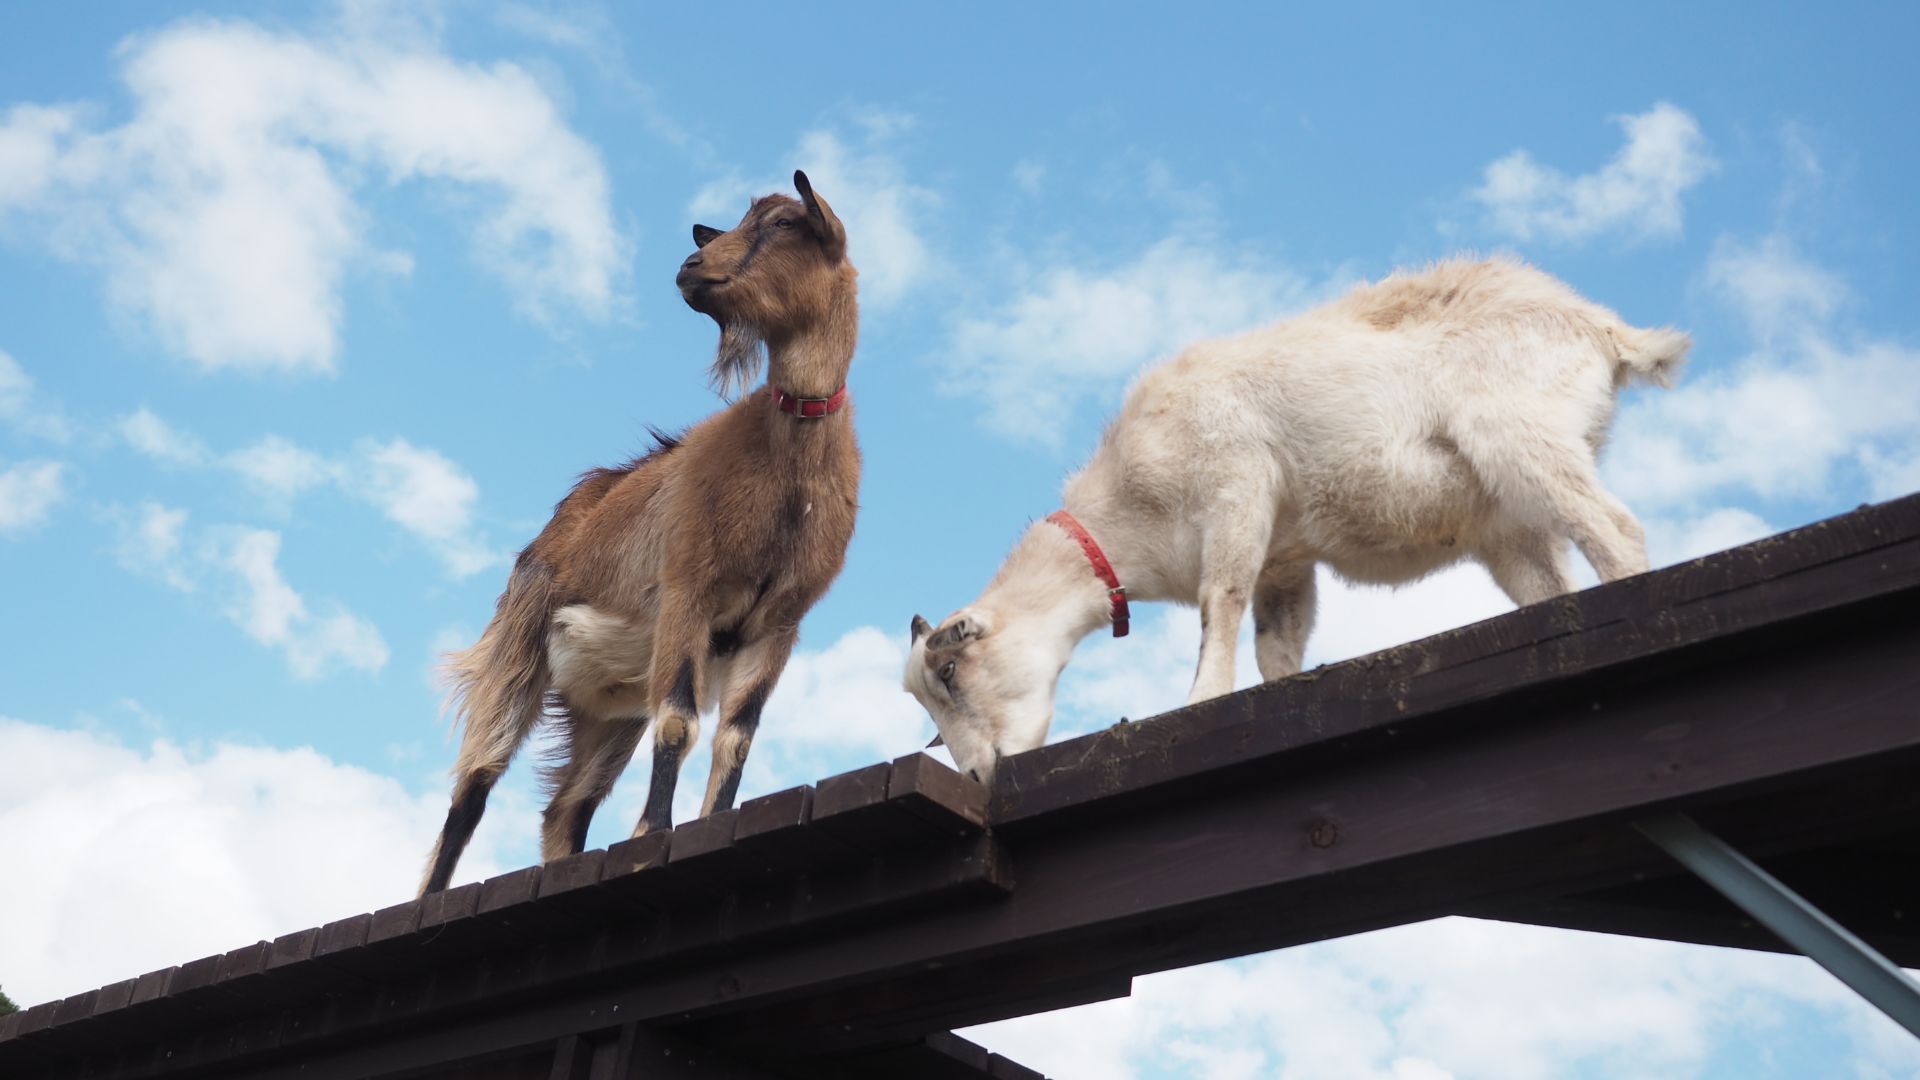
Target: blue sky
[(308, 314)]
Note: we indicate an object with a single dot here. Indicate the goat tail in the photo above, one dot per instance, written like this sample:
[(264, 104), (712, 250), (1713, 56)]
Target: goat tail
[(1654, 355), (495, 687)]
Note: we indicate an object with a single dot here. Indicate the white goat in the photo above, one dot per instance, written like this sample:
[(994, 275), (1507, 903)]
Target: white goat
[(1449, 414)]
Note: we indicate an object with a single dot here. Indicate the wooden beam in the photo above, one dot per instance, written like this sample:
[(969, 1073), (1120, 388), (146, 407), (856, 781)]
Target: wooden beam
[(1492, 765)]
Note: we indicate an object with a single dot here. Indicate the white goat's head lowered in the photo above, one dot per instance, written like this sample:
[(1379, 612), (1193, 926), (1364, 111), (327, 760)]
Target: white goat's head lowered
[(988, 684)]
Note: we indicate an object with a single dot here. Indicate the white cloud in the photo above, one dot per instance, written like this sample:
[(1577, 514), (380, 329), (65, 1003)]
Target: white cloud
[(1457, 998), (152, 541), (280, 469), (161, 441), (1774, 289), (223, 211), (242, 567), (1892, 473), (867, 186), (1797, 418), (1071, 335), (426, 494), (144, 857), (28, 493), (421, 490), (1671, 540), (23, 410), (1637, 193), (272, 613)]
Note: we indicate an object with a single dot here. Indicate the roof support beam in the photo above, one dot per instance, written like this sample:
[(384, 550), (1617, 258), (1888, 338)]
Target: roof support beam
[(1784, 912)]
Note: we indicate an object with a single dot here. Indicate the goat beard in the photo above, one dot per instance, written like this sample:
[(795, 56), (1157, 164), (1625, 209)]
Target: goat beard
[(737, 359)]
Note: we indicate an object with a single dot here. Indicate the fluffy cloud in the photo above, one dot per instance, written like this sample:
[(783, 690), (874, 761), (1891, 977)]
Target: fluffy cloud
[(867, 186), (279, 469), (1071, 335), (1457, 998), (161, 441), (419, 489), (149, 856), (22, 409), (1777, 292), (223, 212), (28, 494), (1637, 193), (273, 614), (241, 567), (152, 542), (1810, 411), (426, 494)]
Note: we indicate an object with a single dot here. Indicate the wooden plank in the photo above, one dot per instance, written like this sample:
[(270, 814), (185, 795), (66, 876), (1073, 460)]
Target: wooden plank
[(947, 801), (843, 1023), (506, 909), (704, 849), (569, 890), (874, 810), (636, 872), (658, 1055)]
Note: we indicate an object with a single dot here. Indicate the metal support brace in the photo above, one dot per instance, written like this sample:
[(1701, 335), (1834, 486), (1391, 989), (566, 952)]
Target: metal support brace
[(1789, 916)]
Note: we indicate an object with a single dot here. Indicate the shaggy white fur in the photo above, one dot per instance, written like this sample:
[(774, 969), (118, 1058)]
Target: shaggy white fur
[(1449, 414)]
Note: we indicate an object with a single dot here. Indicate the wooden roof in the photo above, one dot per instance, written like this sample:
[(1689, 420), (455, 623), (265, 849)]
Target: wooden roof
[(1772, 691)]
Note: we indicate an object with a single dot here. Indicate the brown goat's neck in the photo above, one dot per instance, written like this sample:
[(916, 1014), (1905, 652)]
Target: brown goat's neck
[(812, 362)]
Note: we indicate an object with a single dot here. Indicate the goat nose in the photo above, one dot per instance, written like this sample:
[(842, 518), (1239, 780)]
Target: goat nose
[(693, 260)]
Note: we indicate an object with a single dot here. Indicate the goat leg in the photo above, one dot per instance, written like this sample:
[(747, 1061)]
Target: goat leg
[(756, 668)]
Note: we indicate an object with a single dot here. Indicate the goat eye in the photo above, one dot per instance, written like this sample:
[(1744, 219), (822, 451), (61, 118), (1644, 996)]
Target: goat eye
[(783, 223), (946, 673)]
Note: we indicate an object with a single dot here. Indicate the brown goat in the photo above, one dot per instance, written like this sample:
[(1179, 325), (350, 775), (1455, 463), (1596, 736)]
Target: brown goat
[(678, 580)]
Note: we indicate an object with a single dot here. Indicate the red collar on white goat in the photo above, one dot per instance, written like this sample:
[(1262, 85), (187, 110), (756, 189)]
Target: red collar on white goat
[(1102, 569)]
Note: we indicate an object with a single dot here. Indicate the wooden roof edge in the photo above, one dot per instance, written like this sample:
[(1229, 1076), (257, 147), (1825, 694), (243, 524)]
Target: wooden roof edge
[(1852, 559), (911, 802)]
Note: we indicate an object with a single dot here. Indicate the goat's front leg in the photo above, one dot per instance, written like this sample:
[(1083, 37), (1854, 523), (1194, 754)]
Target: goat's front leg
[(681, 640), (756, 668), (1230, 566)]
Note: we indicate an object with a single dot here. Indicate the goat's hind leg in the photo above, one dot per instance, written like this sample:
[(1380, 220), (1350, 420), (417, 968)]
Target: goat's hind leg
[(1283, 607), (754, 671), (1530, 567), (486, 747), (596, 752), (1542, 473)]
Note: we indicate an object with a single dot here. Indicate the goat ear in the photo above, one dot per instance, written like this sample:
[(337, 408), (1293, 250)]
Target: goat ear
[(920, 628), (958, 632), (833, 235), (937, 741), (704, 235)]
